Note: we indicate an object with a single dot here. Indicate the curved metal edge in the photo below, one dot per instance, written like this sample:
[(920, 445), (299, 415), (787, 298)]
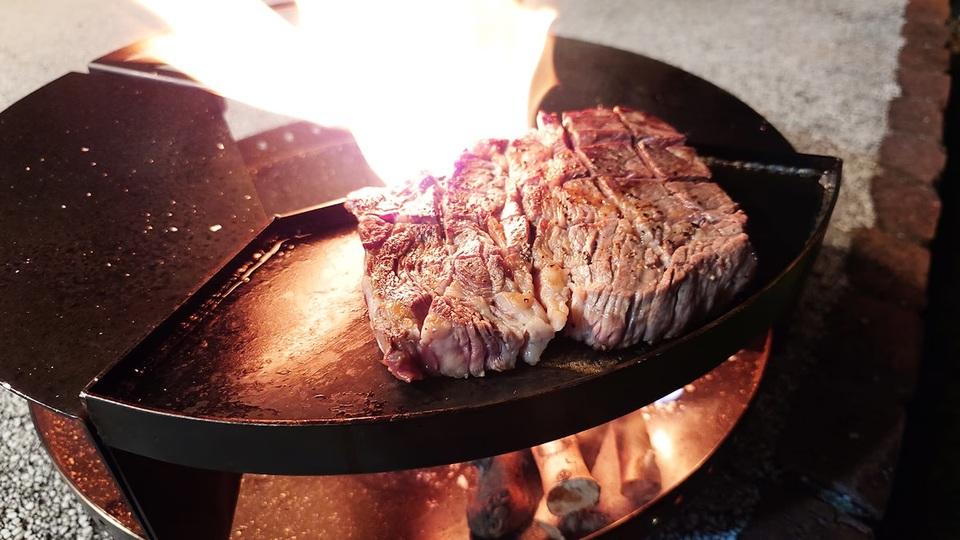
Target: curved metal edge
[(628, 526), (668, 503), (343, 448), (116, 529), (113, 527), (556, 75)]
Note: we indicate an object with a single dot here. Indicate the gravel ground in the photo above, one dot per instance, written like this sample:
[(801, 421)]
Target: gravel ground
[(36, 501), (822, 71)]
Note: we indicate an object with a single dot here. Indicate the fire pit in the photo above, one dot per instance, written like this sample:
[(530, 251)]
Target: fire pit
[(686, 430), (151, 400)]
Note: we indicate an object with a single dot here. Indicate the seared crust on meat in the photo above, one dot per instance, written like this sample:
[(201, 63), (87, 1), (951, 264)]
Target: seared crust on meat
[(601, 223)]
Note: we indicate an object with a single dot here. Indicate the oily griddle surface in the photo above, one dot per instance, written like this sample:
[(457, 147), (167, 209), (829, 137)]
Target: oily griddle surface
[(295, 343), (291, 339)]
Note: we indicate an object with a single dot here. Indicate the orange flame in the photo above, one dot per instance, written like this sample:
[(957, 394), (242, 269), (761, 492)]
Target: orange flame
[(415, 81)]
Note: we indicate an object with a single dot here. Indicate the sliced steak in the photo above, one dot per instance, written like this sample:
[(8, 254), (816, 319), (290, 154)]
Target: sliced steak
[(604, 143), (581, 236), (695, 253), (540, 164), (662, 148), (488, 315), (648, 128), (406, 266), (703, 252), (601, 223), (448, 276)]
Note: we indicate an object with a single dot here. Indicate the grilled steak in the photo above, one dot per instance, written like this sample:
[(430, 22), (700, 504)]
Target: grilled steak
[(601, 223)]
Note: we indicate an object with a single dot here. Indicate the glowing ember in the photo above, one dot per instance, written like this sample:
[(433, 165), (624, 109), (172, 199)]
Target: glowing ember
[(415, 81)]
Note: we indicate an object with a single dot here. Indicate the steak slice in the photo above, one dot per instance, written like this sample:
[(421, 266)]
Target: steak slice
[(662, 148), (488, 315), (695, 253), (541, 163), (601, 223), (581, 234), (448, 279), (406, 266), (648, 128), (703, 251)]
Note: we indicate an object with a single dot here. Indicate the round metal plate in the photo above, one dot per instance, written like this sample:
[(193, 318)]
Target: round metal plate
[(217, 403)]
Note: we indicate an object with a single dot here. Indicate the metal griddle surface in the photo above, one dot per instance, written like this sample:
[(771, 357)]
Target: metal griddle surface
[(110, 186), (280, 339), (294, 343), (285, 366), (68, 317)]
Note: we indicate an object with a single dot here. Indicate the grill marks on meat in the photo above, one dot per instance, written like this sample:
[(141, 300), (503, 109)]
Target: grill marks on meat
[(448, 278), (703, 255), (407, 265), (678, 248), (580, 234), (601, 223), (488, 315), (610, 303), (604, 143), (541, 163)]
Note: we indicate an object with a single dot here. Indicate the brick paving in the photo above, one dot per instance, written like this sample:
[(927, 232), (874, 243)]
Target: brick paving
[(842, 445)]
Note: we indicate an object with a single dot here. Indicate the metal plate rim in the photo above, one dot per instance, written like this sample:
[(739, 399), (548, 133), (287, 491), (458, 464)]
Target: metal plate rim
[(343, 436)]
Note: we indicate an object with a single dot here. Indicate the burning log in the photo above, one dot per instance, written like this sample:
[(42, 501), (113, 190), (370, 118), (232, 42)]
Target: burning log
[(589, 480), (612, 504), (546, 525), (590, 441), (505, 496), (568, 485), (639, 473)]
